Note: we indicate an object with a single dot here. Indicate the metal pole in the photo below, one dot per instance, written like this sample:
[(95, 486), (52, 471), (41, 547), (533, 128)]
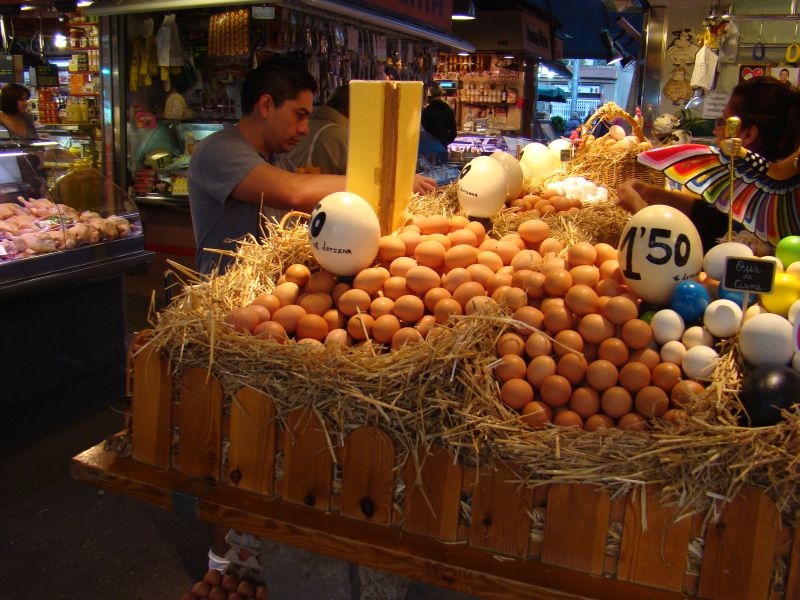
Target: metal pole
[(576, 79)]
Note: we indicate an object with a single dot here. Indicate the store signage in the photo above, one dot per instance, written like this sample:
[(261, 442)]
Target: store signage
[(434, 13), (536, 38), (44, 75), (7, 69), (754, 275)]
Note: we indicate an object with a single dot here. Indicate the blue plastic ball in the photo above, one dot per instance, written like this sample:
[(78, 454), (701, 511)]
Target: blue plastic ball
[(737, 297), (689, 299)]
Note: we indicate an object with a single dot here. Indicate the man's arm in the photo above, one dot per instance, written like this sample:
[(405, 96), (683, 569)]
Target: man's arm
[(284, 190)]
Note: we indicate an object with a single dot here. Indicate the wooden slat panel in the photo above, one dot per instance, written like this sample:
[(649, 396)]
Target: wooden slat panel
[(139, 340), (500, 512), (656, 555), (433, 501), (575, 527), (251, 456), (307, 461), (200, 423), (793, 579), (367, 475), (740, 548), (151, 406)]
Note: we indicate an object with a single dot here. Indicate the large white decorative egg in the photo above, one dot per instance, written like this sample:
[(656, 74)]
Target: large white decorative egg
[(766, 339), (714, 261), (659, 248), (540, 161), (344, 233), (482, 187), (556, 146), (514, 177)]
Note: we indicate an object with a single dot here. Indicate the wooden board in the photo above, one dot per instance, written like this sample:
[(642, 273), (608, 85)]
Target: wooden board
[(251, 455), (740, 548), (433, 494), (307, 461), (575, 527), (500, 512), (151, 408), (654, 547), (367, 470), (793, 580), (199, 421)]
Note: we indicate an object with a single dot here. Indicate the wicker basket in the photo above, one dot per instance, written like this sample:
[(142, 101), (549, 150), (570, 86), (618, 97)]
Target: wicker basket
[(596, 161)]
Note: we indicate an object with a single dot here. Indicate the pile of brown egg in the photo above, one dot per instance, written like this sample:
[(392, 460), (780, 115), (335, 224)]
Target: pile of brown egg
[(548, 202)]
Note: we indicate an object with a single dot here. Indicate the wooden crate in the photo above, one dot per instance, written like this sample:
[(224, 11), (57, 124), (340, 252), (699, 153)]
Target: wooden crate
[(450, 525)]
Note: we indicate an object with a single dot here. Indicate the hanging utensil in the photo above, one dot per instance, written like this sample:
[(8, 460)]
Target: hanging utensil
[(758, 48), (793, 50)]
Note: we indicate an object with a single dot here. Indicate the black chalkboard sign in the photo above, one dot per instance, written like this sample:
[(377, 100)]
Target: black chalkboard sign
[(754, 275)]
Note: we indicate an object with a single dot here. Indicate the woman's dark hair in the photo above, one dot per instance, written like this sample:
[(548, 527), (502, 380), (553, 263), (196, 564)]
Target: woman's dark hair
[(282, 79), (774, 108), (10, 95)]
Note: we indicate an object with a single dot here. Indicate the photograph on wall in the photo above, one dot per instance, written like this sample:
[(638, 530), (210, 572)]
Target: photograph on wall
[(787, 74), (747, 72)]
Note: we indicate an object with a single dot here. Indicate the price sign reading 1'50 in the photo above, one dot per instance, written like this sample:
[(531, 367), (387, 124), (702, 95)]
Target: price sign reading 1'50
[(660, 252)]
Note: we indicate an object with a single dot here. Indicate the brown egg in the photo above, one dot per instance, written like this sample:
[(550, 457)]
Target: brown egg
[(477, 303), (516, 393), (316, 303), (568, 418), (421, 279), (610, 270), (633, 422), (598, 421), (518, 278), (354, 301), (666, 375), (534, 285), (446, 307), (604, 252), (595, 328), (567, 340), (334, 319), (513, 298), (339, 337), (590, 352), (457, 222), (390, 248), (461, 255), (515, 239), (585, 275), (410, 239), (634, 376), (585, 401), (488, 244), (608, 287), (675, 415), (613, 350), (384, 328), (287, 293), (360, 326), (573, 368), (430, 254), (536, 414), (497, 281), (370, 280), (528, 315), (433, 224), (683, 391), (269, 301), (581, 253), (338, 290), (311, 326), (510, 366), (405, 335), (601, 375), (394, 287), (321, 282), (550, 303), (581, 299), (409, 308), (288, 316), (539, 368), (463, 237), (482, 274), (261, 312), (620, 310), (526, 260), (555, 390), (490, 260), (478, 229), (550, 245), (466, 291), (557, 282), (557, 319), (537, 344), (440, 239), (454, 278), (433, 296), (506, 251), (533, 231), (425, 325), (651, 401), (381, 306), (647, 356), (411, 226), (299, 274), (510, 343), (616, 401), (270, 330), (400, 266)]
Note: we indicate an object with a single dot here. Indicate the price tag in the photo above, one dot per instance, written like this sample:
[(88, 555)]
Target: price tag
[(753, 275)]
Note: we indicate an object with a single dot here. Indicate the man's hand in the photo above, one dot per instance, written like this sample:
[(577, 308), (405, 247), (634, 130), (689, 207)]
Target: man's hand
[(629, 195), (423, 185)]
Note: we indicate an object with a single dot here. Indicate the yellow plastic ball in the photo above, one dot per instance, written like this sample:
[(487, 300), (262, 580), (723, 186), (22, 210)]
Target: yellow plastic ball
[(785, 291)]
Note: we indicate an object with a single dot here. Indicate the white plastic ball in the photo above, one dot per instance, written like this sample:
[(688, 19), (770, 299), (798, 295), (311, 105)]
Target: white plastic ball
[(714, 261), (539, 160), (344, 233), (514, 175), (793, 311), (482, 187), (700, 362), (673, 352), (753, 310), (556, 146), (766, 339), (697, 336), (723, 318), (667, 326)]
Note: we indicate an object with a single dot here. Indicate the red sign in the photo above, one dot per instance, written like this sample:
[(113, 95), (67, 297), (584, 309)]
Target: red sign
[(433, 13)]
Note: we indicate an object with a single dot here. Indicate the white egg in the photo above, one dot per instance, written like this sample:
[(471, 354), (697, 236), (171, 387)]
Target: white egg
[(589, 188), (793, 310), (673, 352), (753, 310), (697, 336), (722, 318), (602, 192), (482, 187), (514, 176), (714, 260), (527, 178), (539, 160), (766, 339), (616, 132), (573, 191), (556, 146), (699, 362), (667, 325), (794, 269)]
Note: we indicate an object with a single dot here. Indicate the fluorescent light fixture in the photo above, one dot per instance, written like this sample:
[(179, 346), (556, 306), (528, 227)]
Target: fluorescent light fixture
[(463, 53), (45, 143), (158, 155), (84, 3), (509, 57), (59, 40), (463, 10), (26, 7)]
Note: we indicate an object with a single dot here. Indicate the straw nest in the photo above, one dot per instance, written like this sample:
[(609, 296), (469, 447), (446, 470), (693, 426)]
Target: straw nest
[(443, 391)]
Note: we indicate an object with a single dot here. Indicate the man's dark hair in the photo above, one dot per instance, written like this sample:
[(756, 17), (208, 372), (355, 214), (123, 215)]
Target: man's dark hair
[(10, 95), (280, 78)]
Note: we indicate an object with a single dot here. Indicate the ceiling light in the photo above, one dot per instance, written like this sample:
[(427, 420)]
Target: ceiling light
[(463, 53), (84, 3), (26, 7), (59, 40), (509, 56), (463, 10)]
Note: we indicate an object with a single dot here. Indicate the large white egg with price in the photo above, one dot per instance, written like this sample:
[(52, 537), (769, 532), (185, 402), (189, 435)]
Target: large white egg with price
[(482, 187), (540, 161), (659, 248), (514, 177), (344, 233)]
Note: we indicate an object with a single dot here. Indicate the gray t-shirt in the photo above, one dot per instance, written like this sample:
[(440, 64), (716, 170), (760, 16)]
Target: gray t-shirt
[(219, 163)]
